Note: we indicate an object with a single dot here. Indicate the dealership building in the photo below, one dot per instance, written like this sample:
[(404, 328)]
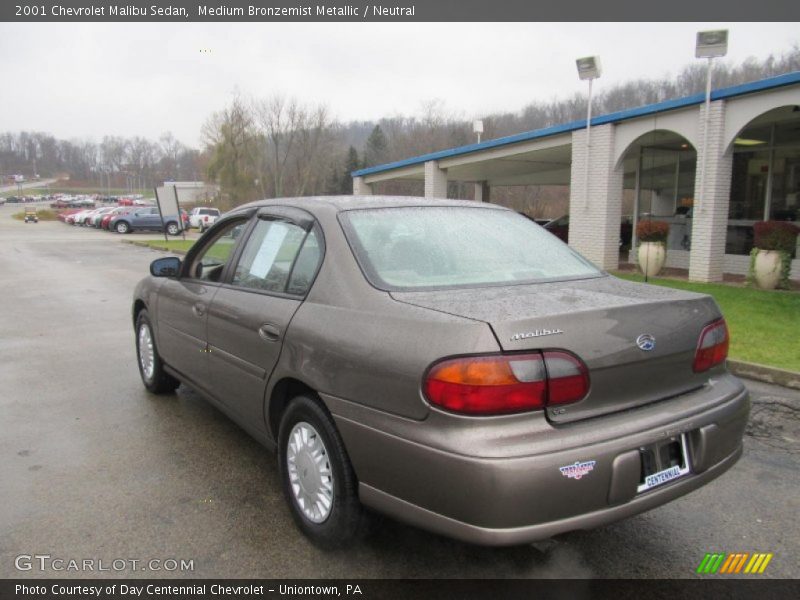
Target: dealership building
[(751, 174)]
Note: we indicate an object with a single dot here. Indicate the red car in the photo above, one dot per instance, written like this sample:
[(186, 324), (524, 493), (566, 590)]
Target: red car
[(64, 215), (111, 214)]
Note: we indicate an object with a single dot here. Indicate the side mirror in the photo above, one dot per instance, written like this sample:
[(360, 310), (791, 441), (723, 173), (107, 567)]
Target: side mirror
[(165, 267)]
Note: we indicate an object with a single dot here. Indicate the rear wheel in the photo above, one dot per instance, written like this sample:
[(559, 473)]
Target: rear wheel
[(172, 228), (122, 227), (318, 479), (151, 367)]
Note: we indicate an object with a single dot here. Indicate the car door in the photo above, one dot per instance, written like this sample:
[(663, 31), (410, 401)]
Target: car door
[(249, 316), (151, 219), (183, 304)]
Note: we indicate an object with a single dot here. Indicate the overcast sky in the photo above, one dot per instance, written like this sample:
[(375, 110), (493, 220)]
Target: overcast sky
[(90, 80)]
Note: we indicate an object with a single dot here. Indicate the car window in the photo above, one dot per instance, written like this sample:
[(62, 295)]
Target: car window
[(440, 247), (268, 256), (210, 263), (305, 267)]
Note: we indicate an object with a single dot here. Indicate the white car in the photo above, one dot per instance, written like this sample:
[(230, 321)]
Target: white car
[(202, 218)]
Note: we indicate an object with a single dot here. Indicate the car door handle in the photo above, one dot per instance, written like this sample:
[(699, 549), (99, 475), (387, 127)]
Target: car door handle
[(270, 333), (199, 309)]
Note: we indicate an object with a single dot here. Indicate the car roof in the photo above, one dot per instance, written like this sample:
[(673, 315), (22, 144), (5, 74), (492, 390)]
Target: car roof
[(336, 204)]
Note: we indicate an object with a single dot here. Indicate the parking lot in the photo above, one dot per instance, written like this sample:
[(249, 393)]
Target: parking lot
[(94, 467)]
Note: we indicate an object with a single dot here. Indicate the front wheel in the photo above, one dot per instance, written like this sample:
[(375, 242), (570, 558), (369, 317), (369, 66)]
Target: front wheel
[(172, 228), (151, 367), (318, 479), (122, 227)]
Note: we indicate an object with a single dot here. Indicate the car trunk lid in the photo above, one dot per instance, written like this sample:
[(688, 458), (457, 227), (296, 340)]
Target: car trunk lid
[(600, 320)]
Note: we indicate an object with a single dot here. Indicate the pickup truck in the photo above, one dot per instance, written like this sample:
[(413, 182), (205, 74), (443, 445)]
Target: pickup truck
[(202, 218)]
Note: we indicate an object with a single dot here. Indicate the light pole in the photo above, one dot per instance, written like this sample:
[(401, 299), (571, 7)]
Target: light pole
[(477, 128), (709, 45), (588, 69)]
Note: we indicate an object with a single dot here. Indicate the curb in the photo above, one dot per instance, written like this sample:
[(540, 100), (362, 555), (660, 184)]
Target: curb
[(782, 377)]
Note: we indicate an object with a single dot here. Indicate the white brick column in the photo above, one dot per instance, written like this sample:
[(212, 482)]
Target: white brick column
[(482, 191), (594, 217), (710, 213), (361, 187), (435, 180)]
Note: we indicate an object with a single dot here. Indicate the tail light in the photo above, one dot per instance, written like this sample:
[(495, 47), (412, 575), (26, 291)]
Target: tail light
[(504, 384), (712, 347)]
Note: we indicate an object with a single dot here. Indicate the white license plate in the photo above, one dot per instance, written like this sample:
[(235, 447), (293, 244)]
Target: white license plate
[(669, 474)]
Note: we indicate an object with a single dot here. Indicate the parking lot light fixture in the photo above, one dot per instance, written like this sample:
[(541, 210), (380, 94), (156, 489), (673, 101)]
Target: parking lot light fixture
[(589, 69), (477, 129), (709, 45)]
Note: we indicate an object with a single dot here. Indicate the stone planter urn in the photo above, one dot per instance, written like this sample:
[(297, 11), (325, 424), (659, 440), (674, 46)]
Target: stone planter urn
[(652, 256), (767, 269)]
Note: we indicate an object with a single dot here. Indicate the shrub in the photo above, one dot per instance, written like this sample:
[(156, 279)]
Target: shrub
[(776, 235), (652, 231)]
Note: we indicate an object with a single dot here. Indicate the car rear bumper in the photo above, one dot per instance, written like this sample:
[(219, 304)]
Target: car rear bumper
[(503, 489)]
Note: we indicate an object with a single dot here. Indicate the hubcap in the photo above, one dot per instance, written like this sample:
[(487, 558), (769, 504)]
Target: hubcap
[(146, 352), (310, 473)]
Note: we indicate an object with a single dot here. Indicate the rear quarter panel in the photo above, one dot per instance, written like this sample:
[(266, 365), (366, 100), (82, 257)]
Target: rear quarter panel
[(355, 342)]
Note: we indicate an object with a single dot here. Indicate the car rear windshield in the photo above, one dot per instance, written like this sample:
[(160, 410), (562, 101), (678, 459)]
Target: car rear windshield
[(437, 247)]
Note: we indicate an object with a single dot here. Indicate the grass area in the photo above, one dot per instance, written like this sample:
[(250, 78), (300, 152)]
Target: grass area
[(180, 246), (764, 325), (43, 214)]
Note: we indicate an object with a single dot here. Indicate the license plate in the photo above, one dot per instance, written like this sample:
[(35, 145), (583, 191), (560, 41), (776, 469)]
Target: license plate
[(663, 462)]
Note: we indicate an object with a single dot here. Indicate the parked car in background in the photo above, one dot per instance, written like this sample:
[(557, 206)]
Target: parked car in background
[(145, 219), (560, 228), (448, 363), (95, 219), (202, 217), (120, 210), (78, 216), (65, 215)]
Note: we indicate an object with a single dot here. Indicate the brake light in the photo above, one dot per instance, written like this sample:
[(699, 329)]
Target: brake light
[(712, 347), (504, 384)]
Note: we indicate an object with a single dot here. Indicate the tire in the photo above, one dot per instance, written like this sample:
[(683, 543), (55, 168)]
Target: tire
[(307, 429), (151, 367), (202, 228), (172, 228), (122, 227)]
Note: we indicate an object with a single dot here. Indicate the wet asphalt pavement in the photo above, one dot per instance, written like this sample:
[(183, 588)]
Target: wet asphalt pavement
[(94, 467)]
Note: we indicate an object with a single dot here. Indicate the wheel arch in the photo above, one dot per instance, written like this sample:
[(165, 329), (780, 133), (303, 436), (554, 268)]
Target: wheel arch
[(138, 306), (280, 396)]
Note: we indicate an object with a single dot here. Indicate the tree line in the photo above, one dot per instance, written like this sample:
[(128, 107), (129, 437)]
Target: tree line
[(136, 162), (279, 146)]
